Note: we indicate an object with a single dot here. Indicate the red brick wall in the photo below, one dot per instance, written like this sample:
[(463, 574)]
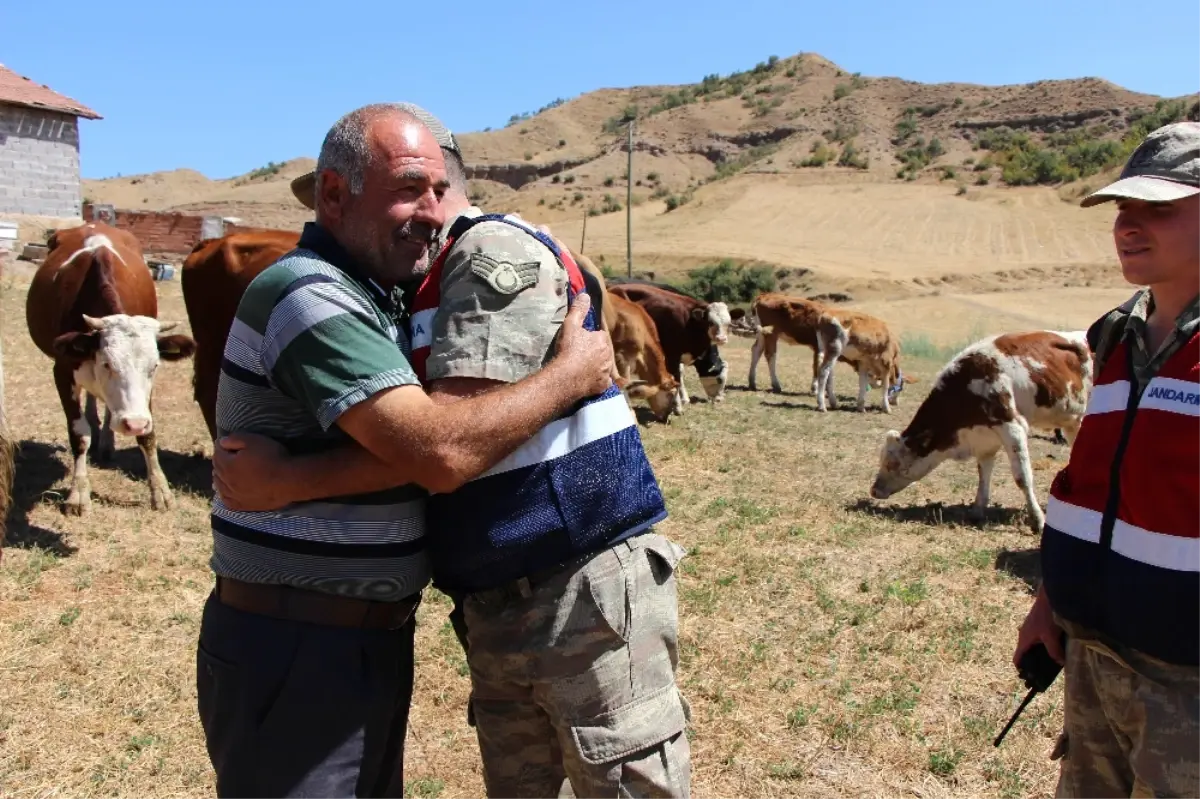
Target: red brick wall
[(164, 232), (157, 232)]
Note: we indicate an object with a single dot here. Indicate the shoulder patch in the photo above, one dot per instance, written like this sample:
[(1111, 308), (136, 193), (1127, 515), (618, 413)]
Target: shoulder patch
[(505, 277)]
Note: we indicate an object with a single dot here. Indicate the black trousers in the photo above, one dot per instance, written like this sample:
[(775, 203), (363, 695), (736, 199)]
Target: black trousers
[(294, 709)]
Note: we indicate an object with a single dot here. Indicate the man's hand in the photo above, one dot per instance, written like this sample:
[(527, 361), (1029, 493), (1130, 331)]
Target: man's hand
[(587, 354), (250, 474), (1039, 626)]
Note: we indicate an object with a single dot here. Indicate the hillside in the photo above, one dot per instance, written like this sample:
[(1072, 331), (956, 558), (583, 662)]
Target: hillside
[(834, 172)]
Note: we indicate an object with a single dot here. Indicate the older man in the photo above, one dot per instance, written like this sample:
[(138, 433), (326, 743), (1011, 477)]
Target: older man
[(565, 597), (305, 654), (1121, 545)]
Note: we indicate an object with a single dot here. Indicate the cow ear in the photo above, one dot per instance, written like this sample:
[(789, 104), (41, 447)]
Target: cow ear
[(176, 347), (76, 344), (700, 313)]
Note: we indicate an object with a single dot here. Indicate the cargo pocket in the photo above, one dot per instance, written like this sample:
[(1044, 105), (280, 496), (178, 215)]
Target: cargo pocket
[(664, 555), (637, 726), (608, 584)]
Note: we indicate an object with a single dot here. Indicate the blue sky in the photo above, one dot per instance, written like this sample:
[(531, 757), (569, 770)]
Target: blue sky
[(224, 87)]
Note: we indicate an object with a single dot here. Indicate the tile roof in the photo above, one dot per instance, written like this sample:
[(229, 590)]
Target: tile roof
[(20, 90)]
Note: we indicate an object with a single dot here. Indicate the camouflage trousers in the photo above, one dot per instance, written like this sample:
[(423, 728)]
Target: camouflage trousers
[(1131, 726), (573, 676)]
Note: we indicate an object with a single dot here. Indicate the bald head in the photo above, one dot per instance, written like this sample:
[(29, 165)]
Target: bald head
[(380, 181)]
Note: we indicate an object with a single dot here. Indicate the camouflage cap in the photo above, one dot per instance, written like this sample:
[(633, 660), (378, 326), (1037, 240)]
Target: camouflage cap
[(1165, 167), (303, 187)]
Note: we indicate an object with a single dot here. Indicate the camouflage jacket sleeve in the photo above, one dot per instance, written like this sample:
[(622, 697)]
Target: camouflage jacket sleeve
[(503, 299)]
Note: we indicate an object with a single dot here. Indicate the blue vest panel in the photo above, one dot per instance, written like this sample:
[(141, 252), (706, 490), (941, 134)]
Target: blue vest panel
[(581, 484)]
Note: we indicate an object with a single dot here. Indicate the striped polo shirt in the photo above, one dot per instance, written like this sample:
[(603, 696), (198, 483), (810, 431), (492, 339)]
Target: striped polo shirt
[(312, 338)]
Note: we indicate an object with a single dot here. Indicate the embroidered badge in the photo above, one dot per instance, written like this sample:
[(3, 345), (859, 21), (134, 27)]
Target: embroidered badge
[(505, 276)]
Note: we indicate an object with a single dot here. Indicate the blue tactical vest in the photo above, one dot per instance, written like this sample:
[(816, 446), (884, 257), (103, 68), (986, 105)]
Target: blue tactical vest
[(581, 484)]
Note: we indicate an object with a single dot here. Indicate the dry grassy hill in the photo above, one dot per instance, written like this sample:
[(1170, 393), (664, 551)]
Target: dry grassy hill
[(842, 181)]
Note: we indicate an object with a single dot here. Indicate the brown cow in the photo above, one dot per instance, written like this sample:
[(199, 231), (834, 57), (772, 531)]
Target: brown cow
[(987, 399), (689, 330), (92, 307), (213, 278), (833, 334), (639, 357)]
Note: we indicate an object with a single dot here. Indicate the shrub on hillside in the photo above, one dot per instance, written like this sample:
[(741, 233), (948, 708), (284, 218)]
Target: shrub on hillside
[(729, 282), (821, 155), (852, 157)]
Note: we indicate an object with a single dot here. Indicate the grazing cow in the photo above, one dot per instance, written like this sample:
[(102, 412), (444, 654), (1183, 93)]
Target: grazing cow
[(987, 399), (639, 357), (92, 307), (213, 278), (689, 331), (833, 334)]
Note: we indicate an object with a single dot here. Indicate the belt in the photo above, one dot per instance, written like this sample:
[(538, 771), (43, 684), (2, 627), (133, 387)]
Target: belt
[(314, 607), (522, 587)]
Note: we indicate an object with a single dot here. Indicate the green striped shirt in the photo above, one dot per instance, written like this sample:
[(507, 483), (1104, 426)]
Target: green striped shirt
[(311, 339)]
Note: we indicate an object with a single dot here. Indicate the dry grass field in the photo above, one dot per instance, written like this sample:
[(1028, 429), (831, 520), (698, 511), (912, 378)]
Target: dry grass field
[(830, 645)]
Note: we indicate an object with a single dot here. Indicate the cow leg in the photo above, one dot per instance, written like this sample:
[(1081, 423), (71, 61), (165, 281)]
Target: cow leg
[(161, 497), (106, 436), (92, 416), (676, 370), (772, 349), (79, 433), (817, 353), (1015, 438), (885, 401), (985, 463), (755, 353), (864, 385)]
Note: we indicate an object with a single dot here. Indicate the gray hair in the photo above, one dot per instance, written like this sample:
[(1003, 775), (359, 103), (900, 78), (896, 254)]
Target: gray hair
[(456, 171), (345, 149)]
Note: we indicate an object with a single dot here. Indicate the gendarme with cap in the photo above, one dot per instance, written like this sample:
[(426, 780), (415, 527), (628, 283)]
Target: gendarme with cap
[(304, 186), (1164, 168)]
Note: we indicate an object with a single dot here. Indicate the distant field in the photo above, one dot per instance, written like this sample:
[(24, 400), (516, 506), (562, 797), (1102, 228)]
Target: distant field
[(830, 645)]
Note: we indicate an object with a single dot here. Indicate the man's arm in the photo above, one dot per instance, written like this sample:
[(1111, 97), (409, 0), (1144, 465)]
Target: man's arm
[(406, 436)]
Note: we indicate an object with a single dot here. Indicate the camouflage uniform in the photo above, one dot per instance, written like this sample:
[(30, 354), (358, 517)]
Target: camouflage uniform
[(1131, 721), (572, 669)]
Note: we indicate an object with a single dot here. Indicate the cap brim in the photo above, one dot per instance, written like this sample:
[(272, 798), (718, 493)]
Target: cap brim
[(303, 189), (1154, 190)]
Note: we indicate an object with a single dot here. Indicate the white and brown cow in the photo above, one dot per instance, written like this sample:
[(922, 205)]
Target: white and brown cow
[(834, 334), (92, 307), (986, 399), (689, 330)]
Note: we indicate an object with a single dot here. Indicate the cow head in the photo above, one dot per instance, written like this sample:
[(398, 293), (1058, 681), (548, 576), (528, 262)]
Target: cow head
[(713, 373), (899, 466), (716, 316), (117, 358), (663, 398)]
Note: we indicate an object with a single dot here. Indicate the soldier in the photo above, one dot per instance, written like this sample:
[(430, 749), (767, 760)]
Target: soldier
[(565, 597), (1121, 544)]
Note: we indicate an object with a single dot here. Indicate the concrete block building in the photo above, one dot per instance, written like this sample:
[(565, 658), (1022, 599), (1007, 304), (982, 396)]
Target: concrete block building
[(39, 148)]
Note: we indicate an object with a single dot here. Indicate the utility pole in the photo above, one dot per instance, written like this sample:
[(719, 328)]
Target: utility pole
[(629, 209)]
